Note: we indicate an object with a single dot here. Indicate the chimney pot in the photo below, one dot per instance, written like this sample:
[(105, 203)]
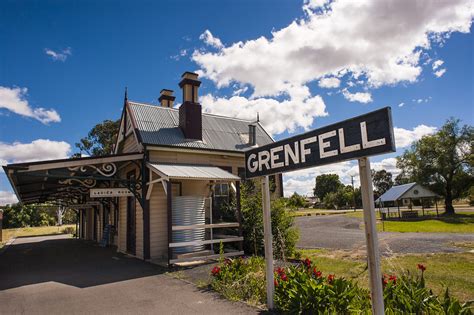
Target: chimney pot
[(252, 134), (166, 98), (190, 112), (190, 86)]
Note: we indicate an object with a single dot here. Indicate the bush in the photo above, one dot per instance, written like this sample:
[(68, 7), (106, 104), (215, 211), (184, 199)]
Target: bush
[(297, 201), (241, 279), (285, 235), (69, 230), (303, 289)]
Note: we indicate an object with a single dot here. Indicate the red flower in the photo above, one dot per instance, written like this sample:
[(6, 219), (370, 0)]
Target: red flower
[(317, 273), (280, 270), (283, 277), (393, 278), (331, 279), (215, 271), (275, 282), (307, 262), (421, 267)]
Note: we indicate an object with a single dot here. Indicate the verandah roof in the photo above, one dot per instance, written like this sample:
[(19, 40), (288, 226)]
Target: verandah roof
[(192, 172), (65, 181)]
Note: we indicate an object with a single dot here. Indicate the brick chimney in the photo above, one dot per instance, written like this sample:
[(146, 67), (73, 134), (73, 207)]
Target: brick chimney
[(190, 112), (166, 98)]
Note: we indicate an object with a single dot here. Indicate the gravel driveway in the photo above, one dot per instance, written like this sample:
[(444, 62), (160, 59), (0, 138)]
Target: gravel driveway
[(342, 232)]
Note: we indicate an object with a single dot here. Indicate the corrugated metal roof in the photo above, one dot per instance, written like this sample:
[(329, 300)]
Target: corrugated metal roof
[(195, 172), (160, 126), (395, 192)]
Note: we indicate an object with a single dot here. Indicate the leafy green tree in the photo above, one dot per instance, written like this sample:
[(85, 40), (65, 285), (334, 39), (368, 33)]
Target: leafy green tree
[(342, 198), (382, 181), (325, 184), (100, 139), (296, 201), (285, 235), (17, 215), (443, 161), (401, 179)]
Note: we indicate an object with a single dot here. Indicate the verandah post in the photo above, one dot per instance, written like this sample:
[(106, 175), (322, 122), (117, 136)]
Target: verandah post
[(268, 242), (375, 274)]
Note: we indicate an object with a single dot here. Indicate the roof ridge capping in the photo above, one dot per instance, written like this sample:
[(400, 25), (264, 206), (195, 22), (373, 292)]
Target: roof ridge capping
[(176, 109)]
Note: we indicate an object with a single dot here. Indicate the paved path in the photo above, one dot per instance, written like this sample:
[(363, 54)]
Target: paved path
[(60, 275), (342, 232)]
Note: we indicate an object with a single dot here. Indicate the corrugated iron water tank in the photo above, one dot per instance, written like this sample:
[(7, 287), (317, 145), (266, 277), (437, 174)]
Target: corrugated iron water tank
[(188, 210)]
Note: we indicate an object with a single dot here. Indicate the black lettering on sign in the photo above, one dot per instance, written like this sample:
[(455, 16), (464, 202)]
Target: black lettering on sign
[(366, 135)]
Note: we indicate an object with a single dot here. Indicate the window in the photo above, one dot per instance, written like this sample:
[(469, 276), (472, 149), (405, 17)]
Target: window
[(221, 190)]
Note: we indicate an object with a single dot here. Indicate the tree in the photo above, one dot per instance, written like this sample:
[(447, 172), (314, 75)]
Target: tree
[(442, 161), (401, 179), (342, 198), (382, 181), (325, 184), (100, 139), (296, 201)]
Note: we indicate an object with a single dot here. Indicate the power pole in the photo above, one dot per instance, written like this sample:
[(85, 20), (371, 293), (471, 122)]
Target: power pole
[(353, 193)]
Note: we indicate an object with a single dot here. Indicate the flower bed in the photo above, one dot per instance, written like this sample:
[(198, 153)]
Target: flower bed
[(302, 288)]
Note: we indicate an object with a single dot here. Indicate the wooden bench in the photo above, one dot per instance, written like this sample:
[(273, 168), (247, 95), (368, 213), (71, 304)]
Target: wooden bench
[(409, 214)]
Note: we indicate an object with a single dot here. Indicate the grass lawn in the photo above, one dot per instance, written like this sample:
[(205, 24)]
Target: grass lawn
[(462, 222), (443, 270), (7, 234), (457, 224)]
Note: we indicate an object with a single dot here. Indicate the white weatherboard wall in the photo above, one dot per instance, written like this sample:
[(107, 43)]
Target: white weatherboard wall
[(422, 192)]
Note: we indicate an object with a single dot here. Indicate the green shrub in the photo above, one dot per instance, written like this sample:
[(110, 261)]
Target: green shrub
[(303, 289), (241, 279), (285, 235), (69, 230)]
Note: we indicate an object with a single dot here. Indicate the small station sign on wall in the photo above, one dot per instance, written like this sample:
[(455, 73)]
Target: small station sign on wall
[(110, 192)]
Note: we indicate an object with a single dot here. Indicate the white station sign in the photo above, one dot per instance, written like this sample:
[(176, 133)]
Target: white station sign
[(110, 192)]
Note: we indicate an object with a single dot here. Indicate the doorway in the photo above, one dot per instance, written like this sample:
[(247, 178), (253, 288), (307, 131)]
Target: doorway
[(131, 220)]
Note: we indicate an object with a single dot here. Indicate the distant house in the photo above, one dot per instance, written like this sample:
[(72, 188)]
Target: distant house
[(403, 195), (312, 200)]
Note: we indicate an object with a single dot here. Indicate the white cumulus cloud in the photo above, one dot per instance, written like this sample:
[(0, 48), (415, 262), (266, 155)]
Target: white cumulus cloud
[(361, 97), (14, 99), (405, 137), (58, 55), (210, 40), (338, 39), (328, 83), (439, 73), (303, 181), (7, 198), (40, 149), (438, 63), (275, 116)]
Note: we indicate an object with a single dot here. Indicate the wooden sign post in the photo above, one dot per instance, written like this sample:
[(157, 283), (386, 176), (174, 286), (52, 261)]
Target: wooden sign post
[(355, 138), (373, 255), (268, 240)]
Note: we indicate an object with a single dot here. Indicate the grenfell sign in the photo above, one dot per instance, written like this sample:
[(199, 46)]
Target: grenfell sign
[(362, 136)]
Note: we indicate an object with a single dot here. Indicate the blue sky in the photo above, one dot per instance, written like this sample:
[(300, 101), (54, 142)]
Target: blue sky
[(64, 66)]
